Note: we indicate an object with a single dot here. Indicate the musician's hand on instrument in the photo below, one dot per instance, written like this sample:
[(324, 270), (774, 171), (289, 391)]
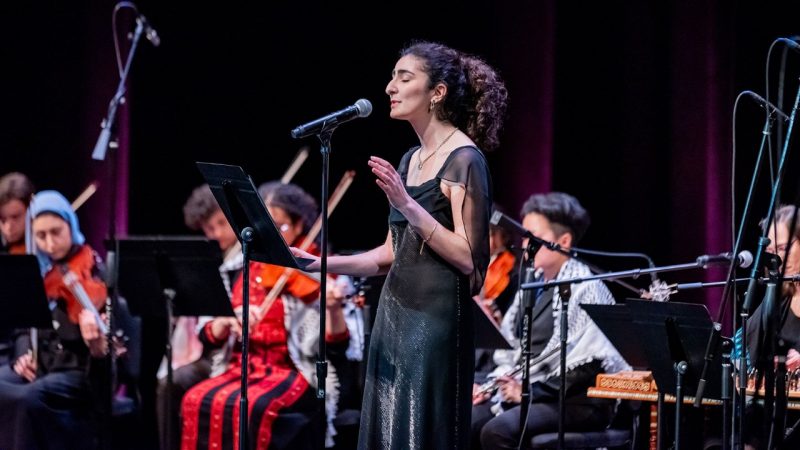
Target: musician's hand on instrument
[(314, 266), (477, 397), (390, 181), (335, 295), (90, 331), (510, 389), (792, 360), (222, 327), (25, 366)]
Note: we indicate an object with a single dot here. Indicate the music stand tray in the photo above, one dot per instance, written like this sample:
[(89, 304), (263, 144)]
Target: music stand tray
[(188, 265), (615, 322), (487, 333), (672, 332), (243, 207), (23, 302)]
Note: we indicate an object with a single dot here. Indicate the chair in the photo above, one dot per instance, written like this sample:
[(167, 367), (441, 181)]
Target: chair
[(621, 433)]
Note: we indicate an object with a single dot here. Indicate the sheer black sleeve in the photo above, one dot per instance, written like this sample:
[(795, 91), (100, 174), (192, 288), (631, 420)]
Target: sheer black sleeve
[(468, 168)]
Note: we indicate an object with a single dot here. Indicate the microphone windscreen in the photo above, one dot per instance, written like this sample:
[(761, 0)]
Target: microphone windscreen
[(364, 107), (745, 259)]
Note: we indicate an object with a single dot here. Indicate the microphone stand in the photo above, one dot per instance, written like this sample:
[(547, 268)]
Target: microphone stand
[(528, 299), (762, 243), (322, 364), (565, 292), (575, 254), (744, 312), (99, 154)]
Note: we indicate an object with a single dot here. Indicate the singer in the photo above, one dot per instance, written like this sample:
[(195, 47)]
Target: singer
[(421, 356)]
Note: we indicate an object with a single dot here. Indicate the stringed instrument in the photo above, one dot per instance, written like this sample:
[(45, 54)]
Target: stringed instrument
[(73, 281), (498, 275), (288, 273)]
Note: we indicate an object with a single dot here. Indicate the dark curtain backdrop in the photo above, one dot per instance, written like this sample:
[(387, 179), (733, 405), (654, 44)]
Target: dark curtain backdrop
[(626, 105), (631, 113)]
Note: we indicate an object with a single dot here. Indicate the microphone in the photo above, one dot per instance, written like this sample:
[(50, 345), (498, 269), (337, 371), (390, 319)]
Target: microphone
[(767, 105), (744, 259), (790, 42), (503, 221), (149, 32), (362, 108)]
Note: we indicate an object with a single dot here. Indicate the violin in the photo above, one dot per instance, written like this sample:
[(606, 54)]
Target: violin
[(17, 249), (73, 281), (498, 275), (307, 244), (297, 283)]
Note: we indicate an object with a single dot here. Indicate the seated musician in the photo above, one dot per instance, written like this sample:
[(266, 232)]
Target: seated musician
[(16, 191), (499, 288), (282, 353), (559, 218), (781, 238), (191, 360), (45, 392), (501, 280)]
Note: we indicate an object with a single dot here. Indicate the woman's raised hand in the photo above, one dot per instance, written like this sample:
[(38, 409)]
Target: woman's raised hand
[(390, 181)]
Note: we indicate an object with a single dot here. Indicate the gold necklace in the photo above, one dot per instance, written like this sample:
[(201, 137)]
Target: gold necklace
[(419, 154)]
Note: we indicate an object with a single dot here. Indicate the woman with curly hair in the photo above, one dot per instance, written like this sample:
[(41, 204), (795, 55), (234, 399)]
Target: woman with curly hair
[(420, 367)]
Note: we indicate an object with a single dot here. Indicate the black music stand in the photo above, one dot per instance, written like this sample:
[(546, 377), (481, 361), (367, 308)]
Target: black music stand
[(172, 275), (615, 322), (676, 335), (487, 333), (243, 207), (261, 241), (150, 266), (21, 284)]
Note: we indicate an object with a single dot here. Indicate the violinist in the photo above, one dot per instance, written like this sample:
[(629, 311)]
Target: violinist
[(284, 336), (48, 382), (16, 191), (193, 361), (501, 280)]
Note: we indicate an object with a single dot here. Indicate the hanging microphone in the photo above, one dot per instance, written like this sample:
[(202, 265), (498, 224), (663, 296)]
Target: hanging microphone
[(744, 259), (767, 105), (503, 221), (790, 43), (362, 108), (149, 32)]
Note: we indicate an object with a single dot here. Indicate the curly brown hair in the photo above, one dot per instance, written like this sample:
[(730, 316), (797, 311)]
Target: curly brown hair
[(199, 207), (476, 99), (298, 204)]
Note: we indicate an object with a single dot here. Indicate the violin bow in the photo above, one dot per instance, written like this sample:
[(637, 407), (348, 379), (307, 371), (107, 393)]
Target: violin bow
[(84, 196), (298, 161), (336, 197)]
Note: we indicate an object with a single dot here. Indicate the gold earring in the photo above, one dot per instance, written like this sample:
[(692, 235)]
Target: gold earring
[(432, 105)]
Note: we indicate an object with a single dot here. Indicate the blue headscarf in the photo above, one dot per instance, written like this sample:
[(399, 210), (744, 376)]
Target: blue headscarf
[(55, 203)]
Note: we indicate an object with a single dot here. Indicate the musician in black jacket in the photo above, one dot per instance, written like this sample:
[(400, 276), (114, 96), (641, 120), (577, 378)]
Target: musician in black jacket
[(559, 218), (45, 395)]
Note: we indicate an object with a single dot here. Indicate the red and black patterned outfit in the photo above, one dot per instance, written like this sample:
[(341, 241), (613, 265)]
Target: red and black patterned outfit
[(283, 410)]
